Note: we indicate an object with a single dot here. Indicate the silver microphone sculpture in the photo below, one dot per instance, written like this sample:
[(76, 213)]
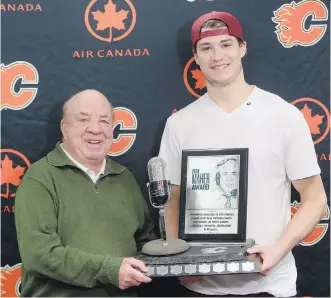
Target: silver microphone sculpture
[(159, 191)]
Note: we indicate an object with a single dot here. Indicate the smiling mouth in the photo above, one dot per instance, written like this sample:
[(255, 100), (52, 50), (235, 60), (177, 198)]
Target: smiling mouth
[(93, 142), (223, 66)]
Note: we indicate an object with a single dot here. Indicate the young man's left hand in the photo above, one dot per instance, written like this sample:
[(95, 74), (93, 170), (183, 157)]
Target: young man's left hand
[(270, 254)]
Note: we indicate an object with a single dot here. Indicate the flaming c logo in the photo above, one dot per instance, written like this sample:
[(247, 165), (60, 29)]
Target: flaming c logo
[(10, 280), (316, 115), (10, 75), (115, 24), (125, 120), (292, 26), (194, 79), (318, 233), (13, 166)]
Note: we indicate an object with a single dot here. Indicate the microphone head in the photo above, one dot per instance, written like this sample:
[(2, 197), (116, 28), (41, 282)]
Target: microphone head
[(156, 169)]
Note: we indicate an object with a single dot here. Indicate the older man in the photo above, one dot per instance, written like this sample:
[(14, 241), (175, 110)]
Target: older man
[(80, 216), (227, 179)]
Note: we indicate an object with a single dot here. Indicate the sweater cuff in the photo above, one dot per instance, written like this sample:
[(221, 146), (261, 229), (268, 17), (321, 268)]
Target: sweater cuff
[(112, 266), (110, 270)]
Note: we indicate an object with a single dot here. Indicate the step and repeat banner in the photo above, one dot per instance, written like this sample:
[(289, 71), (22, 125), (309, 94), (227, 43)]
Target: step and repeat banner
[(138, 53)]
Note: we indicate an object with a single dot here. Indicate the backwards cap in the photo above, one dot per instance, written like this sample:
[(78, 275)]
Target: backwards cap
[(232, 23)]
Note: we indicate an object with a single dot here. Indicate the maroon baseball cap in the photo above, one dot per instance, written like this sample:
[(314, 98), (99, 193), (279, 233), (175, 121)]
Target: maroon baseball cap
[(233, 26)]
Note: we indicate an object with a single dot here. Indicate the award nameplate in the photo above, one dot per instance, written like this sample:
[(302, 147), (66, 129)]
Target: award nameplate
[(212, 217)]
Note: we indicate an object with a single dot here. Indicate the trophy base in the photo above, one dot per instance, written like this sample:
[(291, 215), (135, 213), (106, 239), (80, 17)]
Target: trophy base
[(162, 247), (204, 259)]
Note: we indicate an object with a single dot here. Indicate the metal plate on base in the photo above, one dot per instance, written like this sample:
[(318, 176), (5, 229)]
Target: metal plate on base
[(252, 265), (202, 260)]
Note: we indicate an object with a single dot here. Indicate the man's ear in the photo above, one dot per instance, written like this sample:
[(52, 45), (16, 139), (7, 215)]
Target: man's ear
[(194, 50), (63, 128), (218, 178), (243, 49), (196, 58)]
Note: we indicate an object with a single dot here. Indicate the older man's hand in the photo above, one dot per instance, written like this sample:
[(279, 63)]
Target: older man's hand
[(131, 273)]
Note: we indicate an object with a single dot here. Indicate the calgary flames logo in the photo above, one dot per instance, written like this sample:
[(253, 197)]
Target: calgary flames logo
[(10, 76), (10, 279), (318, 233), (110, 18), (11, 174), (124, 120), (194, 79), (317, 117), (293, 27)]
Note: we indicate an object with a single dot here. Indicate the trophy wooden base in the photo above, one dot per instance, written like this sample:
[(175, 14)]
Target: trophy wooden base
[(204, 259)]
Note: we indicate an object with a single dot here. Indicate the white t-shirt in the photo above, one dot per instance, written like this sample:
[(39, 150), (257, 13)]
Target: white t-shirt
[(281, 149)]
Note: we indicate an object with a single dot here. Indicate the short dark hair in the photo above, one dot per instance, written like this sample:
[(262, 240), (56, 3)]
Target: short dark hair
[(213, 23)]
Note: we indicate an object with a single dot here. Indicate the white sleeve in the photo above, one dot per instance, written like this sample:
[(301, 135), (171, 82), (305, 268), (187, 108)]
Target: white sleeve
[(171, 153), (299, 152)]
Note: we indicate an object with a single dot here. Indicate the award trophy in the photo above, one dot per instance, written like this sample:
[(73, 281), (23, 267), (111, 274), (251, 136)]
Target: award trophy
[(212, 218)]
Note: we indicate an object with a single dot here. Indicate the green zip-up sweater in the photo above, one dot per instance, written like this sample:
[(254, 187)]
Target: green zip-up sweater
[(72, 233)]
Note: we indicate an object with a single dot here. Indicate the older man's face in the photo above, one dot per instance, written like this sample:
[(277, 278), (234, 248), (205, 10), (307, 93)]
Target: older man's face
[(87, 128), (229, 176)]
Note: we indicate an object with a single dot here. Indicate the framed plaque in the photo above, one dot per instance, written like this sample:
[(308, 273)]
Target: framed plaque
[(213, 195)]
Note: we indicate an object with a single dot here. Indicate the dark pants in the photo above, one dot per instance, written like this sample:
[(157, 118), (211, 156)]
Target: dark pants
[(185, 292)]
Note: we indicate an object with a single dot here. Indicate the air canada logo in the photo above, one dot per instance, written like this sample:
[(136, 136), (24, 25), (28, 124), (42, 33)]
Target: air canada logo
[(125, 126), (110, 22), (320, 230), (316, 115), (18, 85), (300, 23), (13, 166), (194, 79), (10, 280), (20, 7)]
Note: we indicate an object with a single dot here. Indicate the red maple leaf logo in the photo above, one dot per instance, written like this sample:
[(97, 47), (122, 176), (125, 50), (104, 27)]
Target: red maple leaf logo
[(313, 121), (10, 279), (199, 78), (10, 175), (110, 18)]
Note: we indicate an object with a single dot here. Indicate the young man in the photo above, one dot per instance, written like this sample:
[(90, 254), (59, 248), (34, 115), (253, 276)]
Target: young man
[(80, 216), (234, 114)]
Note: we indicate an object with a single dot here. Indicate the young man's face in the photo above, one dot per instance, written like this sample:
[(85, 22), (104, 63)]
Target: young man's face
[(219, 58)]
